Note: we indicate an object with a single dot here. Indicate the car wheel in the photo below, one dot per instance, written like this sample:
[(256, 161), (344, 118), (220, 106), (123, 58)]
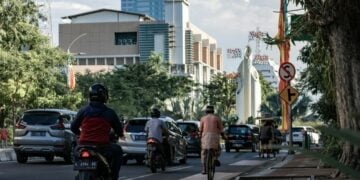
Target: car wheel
[(227, 148), (139, 161), (21, 158), (69, 157), (49, 158), (124, 160)]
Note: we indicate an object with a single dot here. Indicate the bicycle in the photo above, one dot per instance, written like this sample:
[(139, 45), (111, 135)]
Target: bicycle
[(209, 163)]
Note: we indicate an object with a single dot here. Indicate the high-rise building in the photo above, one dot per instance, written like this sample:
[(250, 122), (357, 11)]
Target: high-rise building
[(153, 8)]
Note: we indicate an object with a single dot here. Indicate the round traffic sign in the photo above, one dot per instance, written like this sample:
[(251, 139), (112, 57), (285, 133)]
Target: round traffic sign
[(287, 71)]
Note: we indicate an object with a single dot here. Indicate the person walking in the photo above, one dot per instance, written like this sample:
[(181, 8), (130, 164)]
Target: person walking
[(211, 128), (266, 137), (4, 136)]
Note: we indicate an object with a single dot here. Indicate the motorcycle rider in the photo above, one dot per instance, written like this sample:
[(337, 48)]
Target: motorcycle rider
[(156, 128), (211, 128), (94, 122)]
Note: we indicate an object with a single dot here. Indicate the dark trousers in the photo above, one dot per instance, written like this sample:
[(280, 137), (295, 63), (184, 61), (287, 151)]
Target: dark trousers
[(116, 158)]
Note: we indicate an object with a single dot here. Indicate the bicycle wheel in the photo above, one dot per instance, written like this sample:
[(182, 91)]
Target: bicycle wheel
[(210, 165)]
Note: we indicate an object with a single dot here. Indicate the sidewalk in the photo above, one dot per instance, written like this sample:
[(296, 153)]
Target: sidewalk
[(297, 167)]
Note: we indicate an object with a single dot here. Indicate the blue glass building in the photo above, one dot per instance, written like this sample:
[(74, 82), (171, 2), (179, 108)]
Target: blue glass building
[(153, 8)]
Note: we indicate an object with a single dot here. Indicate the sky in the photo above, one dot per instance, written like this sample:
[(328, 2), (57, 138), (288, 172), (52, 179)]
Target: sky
[(228, 21)]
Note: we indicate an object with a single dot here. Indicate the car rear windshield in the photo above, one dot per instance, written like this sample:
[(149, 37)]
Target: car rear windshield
[(297, 129), (238, 130), (41, 118), (136, 126), (188, 127)]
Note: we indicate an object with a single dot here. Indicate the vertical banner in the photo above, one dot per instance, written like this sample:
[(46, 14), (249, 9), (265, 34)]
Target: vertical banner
[(284, 47), (71, 77)]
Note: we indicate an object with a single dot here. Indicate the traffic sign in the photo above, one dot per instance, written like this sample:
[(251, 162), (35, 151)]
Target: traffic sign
[(287, 71), (289, 94)]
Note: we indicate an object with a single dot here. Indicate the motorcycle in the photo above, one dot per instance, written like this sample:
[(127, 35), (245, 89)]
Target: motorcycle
[(155, 159), (91, 164)]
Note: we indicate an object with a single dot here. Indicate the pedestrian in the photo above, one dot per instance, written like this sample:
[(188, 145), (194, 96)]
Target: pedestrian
[(4, 136), (266, 137)]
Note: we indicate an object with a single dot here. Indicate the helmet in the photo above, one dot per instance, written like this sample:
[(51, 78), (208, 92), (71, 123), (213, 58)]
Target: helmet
[(155, 113), (209, 109), (98, 92)]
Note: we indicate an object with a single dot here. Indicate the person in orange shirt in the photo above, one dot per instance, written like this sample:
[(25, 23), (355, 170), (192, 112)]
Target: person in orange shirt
[(211, 128), (4, 135)]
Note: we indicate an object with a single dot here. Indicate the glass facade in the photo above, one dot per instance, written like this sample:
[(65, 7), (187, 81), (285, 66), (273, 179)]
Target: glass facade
[(153, 8)]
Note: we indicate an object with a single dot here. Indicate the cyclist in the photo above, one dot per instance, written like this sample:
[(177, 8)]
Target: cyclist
[(94, 122), (156, 128), (211, 128)]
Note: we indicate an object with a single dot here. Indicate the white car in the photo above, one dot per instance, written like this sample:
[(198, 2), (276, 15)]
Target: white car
[(298, 135)]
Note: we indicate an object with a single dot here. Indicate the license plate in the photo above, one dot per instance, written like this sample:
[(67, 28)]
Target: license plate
[(237, 145), (85, 164), (140, 137), (37, 133)]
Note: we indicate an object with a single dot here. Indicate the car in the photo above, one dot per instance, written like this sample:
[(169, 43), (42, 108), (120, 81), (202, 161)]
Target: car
[(191, 132), (41, 132), (134, 143), (239, 136), (298, 135)]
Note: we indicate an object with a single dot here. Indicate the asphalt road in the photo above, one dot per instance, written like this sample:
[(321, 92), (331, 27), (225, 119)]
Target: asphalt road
[(232, 164)]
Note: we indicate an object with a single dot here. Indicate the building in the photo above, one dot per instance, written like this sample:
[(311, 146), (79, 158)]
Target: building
[(153, 8), (103, 39), (269, 70)]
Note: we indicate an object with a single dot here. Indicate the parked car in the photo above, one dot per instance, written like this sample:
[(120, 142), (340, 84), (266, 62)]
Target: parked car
[(298, 135), (239, 137), (134, 144), (41, 132), (191, 132)]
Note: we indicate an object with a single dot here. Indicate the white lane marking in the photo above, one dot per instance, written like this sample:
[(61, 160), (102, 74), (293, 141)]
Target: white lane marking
[(218, 175), (147, 175), (247, 163)]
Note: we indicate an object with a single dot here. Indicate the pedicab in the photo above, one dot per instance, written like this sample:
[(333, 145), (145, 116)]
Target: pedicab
[(272, 146)]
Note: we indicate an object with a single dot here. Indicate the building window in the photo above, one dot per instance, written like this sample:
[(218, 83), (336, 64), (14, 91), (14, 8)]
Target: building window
[(91, 61), (120, 61), (100, 61), (137, 60), (82, 61), (129, 60), (110, 61), (125, 38)]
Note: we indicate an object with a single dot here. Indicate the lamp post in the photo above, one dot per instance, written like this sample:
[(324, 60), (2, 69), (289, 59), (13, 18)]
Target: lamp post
[(72, 42), (70, 72)]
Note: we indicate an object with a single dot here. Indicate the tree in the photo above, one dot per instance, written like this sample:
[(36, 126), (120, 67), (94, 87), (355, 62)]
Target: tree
[(338, 21), (31, 71), (221, 93)]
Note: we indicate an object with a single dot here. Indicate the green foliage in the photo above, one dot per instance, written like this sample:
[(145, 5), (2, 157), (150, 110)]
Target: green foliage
[(266, 88), (220, 92)]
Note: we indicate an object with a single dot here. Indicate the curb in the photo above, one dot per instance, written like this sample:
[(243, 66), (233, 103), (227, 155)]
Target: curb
[(7, 155)]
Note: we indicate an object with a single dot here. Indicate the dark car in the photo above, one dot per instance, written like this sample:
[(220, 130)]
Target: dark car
[(44, 133), (134, 144), (239, 137), (191, 132)]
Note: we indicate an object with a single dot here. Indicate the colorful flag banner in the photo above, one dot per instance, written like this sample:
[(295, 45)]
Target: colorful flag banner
[(71, 77)]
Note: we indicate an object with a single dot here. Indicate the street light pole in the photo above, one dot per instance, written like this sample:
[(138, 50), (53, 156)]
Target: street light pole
[(70, 72), (72, 42)]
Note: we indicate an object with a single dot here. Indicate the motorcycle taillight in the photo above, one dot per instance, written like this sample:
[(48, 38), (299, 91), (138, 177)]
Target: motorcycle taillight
[(85, 154)]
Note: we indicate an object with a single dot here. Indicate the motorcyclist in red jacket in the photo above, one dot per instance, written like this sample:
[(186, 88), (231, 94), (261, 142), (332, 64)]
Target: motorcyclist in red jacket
[(94, 122)]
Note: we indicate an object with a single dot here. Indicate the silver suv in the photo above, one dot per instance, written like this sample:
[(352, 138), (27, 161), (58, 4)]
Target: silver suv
[(134, 144), (42, 132)]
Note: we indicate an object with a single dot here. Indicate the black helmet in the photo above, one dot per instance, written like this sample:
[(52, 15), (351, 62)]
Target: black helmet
[(209, 109), (155, 113), (98, 92)]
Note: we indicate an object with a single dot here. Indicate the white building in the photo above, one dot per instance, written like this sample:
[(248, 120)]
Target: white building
[(269, 70)]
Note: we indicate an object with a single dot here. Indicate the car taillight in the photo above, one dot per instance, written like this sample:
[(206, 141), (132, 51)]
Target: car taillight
[(20, 126), (59, 126), (194, 135), (85, 154)]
